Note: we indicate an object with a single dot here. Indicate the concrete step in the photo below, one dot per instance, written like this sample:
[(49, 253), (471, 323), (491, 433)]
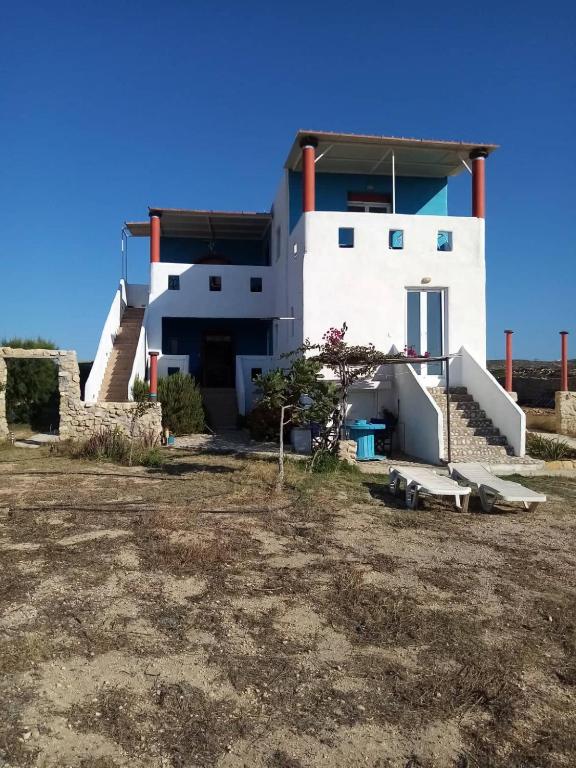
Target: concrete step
[(221, 407)]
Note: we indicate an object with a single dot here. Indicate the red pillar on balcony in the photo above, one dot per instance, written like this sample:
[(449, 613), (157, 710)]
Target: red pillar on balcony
[(153, 378), (508, 382), (154, 238), (478, 157), (308, 144), (564, 361)]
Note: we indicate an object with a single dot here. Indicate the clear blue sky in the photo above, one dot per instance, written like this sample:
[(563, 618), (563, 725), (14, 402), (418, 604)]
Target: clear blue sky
[(108, 107)]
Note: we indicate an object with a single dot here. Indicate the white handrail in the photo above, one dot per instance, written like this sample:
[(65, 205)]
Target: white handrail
[(106, 343)]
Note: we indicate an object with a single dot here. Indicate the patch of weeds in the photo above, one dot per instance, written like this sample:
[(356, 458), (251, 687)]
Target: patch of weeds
[(370, 614), (280, 759), (117, 714), (540, 447), (159, 553), (448, 579), (557, 620), (407, 519), (549, 743), (21, 652), (14, 749), (98, 762)]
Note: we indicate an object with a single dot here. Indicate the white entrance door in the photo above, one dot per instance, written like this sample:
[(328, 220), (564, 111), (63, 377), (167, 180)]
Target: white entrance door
[(425, 331)]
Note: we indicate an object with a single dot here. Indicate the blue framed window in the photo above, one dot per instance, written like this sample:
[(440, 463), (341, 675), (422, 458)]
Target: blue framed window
[(444, 242), (396, 239), (256, 284), (173, 282), (346, 237)]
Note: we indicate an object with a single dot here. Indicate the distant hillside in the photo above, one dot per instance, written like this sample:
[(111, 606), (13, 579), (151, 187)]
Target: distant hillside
[(535, 381)]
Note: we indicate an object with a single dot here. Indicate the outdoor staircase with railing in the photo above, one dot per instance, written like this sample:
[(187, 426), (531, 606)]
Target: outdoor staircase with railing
[(119, 367), (473, 435)]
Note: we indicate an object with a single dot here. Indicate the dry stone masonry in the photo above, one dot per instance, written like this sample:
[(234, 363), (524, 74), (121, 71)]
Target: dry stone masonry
[(566, 413), (78, 420)]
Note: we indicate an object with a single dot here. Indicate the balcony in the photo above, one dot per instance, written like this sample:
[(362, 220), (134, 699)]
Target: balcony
[(211, 290)]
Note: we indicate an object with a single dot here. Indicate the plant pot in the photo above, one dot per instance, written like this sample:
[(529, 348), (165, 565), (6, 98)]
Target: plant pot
[(301, 439)]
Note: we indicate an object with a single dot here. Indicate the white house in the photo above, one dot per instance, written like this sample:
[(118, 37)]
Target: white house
[(359, 232)]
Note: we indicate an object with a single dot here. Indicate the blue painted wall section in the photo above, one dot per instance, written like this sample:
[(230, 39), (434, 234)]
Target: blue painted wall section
[(183, 336), (189, 250), (414, 195)]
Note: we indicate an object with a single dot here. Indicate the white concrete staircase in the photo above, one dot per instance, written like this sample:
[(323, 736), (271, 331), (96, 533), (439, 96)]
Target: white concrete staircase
[(119, 367), (474, 436)]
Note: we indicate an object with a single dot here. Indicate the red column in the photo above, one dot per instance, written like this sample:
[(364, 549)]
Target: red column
[(153, 375), (308, 144), (154, 238), (564, 361), (508, 383), (478, 157)]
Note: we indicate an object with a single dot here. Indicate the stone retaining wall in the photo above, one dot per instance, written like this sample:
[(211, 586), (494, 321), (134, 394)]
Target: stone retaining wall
[(566, 413), (78, 420)]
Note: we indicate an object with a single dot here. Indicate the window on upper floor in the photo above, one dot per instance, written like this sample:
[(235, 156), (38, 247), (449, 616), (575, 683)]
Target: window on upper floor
[(396, 239), (256, 285), (444, 241), (369, 202), (215, 283), (346, 237), (254, 373), (173, 282)]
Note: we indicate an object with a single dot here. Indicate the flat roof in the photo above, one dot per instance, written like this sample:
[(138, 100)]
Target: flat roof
[(359, 153), (209, 225)]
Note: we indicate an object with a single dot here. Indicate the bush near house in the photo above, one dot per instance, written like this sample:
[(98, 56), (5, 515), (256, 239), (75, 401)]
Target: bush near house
[(32, 388), (548, 450), (181, 399)]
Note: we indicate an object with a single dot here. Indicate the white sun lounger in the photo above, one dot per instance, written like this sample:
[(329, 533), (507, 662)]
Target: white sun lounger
[(492, 488), (418, 480)]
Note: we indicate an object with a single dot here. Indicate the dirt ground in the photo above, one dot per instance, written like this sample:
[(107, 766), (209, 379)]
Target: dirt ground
[(189, 616)]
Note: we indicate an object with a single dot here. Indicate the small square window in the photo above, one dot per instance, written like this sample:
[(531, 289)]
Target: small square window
[(444, 241), (173, 282), (396, 239), (254, 373), (256, 284), (215, 282), (346, 237), (172, 370)]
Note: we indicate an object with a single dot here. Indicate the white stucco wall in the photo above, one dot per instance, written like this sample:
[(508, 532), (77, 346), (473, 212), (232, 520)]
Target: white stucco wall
[(366, 286)]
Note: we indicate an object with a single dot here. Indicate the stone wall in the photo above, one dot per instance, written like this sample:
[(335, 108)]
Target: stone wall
[(3, 380), (566, 413), (78, 420)]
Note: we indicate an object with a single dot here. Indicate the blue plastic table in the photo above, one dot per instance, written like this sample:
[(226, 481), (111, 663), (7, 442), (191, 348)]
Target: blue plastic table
[(362, 431)]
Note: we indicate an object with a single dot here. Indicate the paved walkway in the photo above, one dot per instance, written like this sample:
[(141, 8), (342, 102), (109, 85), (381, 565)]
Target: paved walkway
[(35, 441)]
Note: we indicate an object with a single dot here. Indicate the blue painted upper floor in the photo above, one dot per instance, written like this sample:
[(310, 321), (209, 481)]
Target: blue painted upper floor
[(414, 195)]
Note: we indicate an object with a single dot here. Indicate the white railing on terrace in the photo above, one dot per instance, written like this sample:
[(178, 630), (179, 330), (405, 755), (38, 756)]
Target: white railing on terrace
[(420, 420), (505, 414), (106, 343)]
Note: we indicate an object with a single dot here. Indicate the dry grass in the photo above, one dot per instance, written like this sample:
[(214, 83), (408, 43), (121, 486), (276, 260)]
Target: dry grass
[(189, 617)]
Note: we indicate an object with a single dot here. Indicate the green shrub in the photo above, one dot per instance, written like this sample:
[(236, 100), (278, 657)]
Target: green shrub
[(140, 390), (113, 445), (327, 462), (263, 422), (181, 399), (547, 449)]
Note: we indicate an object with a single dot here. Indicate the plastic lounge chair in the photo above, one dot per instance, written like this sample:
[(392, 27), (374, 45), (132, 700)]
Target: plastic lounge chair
[(417, 481), (492, 488)]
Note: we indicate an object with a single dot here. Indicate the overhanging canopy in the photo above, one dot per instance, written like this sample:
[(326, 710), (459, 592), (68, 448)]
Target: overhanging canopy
[(354, 153), (208, 225)]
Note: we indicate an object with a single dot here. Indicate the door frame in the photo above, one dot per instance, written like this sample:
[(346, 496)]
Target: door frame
[(433, 379), (217, 332)]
